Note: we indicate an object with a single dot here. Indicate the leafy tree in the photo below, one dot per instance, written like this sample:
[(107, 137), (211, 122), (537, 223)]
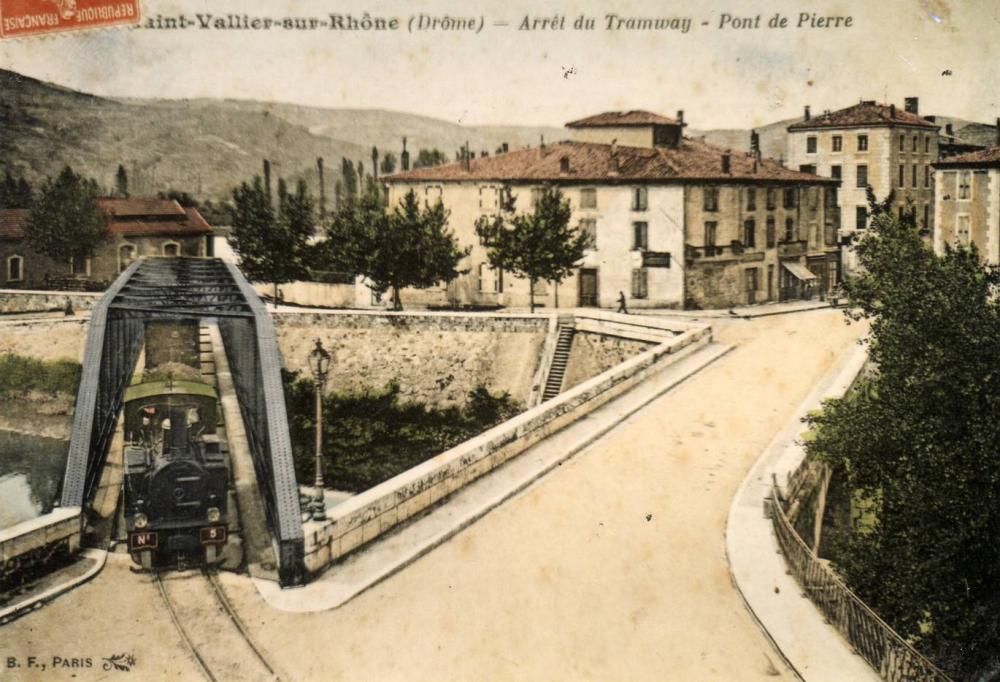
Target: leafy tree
[(15, 192), (272, 244), (182, 198), (65, 222), (349, 181), (409, 246), (121, 181), (388, 164), (918, 442), (539, 245), (430, 157)]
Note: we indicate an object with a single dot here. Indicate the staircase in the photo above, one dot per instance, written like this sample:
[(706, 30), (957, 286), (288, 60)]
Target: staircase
[(554, 382)]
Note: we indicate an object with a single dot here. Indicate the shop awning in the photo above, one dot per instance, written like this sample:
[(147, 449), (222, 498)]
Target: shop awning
[(799, 271)]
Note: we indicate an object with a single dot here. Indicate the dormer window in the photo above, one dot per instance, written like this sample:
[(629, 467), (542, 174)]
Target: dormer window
[(564, 164)]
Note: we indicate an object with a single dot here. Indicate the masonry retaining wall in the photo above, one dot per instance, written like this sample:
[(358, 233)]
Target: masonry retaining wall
[(17, 301)]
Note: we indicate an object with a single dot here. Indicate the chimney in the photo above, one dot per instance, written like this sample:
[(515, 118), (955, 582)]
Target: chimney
[(807, 114), (405, 157), (892, 111), (949, 129), (614, 148), (505, 147), (754, 144), (467, 156), (541, 144), (267, 179), (912, 105), (726, 161), (564, 165), (322, 190), (680, 117)]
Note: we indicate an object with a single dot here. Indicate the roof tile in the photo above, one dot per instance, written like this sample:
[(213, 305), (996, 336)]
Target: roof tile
[(863, 114), (622, 118)]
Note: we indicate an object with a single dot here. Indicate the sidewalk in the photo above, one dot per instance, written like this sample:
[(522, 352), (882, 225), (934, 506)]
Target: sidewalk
[(796, 628), (358, 572), (89, 564)]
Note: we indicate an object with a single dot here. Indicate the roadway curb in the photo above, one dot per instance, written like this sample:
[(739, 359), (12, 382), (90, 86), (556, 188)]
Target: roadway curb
[(21, 608), (267, 590), (757, 566)]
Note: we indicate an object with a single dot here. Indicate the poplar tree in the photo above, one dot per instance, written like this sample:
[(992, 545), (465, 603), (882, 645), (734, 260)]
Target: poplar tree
[(65, 222)]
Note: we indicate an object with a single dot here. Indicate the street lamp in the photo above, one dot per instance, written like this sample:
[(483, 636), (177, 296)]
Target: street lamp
[(319, 365)]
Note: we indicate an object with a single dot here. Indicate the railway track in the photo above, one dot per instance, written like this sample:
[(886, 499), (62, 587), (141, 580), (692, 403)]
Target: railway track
[(211, 630)]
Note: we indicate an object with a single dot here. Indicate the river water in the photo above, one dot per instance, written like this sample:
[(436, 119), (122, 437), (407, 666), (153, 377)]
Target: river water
[(31, 472)]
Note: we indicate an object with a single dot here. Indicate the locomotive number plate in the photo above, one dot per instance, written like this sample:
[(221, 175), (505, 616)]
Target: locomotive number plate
[(140, 541), (213, 535)]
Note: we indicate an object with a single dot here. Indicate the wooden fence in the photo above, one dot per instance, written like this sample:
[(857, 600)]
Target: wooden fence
[(870, 636)]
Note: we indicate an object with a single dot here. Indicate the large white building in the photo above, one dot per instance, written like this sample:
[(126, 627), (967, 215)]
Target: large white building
[(676, 221)]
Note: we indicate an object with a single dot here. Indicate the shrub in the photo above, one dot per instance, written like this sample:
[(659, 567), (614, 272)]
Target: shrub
[(20, 374)]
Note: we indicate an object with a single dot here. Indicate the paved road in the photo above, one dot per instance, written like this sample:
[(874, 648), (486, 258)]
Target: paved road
[(611, 568)]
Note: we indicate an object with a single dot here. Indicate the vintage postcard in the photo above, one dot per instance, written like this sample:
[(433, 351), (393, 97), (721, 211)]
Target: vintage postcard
[(484, 340)]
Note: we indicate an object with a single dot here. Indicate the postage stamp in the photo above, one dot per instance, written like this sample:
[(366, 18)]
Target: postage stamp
[(35, 17)]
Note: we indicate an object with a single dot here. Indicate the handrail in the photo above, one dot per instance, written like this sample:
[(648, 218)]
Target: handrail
[(872, 638)]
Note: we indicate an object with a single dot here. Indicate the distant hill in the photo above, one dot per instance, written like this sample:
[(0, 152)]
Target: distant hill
[(206, 147), (773, 138)]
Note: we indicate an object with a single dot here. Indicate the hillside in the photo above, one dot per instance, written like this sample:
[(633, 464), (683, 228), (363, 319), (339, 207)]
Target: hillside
[(773, 138), (206, 147)]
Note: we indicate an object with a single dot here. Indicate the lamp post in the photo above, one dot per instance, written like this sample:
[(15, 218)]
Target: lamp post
[(319, 365)]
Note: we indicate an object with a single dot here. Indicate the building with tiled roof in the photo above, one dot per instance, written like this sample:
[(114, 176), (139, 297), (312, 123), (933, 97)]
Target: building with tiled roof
[(882, 146), (136, 227), (967, 202), (675, 221)]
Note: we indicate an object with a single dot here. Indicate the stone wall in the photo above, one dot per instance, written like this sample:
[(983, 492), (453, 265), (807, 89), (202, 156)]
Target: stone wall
[(436, 358), (592, 354), (14, 301)]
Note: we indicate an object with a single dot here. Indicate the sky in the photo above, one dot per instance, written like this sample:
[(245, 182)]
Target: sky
[(946, 52)]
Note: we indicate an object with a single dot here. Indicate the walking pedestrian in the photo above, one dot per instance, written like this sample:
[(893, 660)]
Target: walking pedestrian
[(621, 303)]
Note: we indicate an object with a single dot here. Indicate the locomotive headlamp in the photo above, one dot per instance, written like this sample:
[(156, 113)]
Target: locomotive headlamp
[(140, 520), (214, 515)]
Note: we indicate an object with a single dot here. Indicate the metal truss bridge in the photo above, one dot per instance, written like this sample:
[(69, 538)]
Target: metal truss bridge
[(186, 289)]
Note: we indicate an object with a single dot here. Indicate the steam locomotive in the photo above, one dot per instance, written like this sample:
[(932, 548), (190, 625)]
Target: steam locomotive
[(176, 473)]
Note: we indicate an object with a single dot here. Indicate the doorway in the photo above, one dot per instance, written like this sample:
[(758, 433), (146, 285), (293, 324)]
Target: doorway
[(588, 287)]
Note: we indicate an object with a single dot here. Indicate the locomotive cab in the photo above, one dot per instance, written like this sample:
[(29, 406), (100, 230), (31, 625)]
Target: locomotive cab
[(176, 473)]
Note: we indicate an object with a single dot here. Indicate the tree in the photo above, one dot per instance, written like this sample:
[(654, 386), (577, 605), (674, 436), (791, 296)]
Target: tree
[(349, 181), (121, 181), (388, 165), (65, 223), (430, 157), (15, 192), (409, 246), (273, 246), (917, 442), (540, 245)]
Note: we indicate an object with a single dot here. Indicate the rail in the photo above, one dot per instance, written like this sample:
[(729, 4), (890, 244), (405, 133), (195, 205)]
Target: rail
[(886, 652)]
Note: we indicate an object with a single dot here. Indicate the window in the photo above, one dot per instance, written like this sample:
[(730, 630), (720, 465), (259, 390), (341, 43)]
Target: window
[(588, 197), (914, 147), (835, 172), (902, 143), (927, 176), (807, 168), (640, 236), (771, 199), (790, 235), (789, 198), (489, 199), (770, 231), (751, 199), (711, 198), (838, 143), (927, 144), (862, 179), (483, 269), (750, 233), (860, 217), (15, 269), (902, 173), (498, 281), (640, 287), (962, 237), (171, 249), (862, 143), (927, 216), (639, 199), (589, 227), (811, 145), (965, 185), (126, 254), (710, 229), (79, 266), (914, 175), (432, 194)]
